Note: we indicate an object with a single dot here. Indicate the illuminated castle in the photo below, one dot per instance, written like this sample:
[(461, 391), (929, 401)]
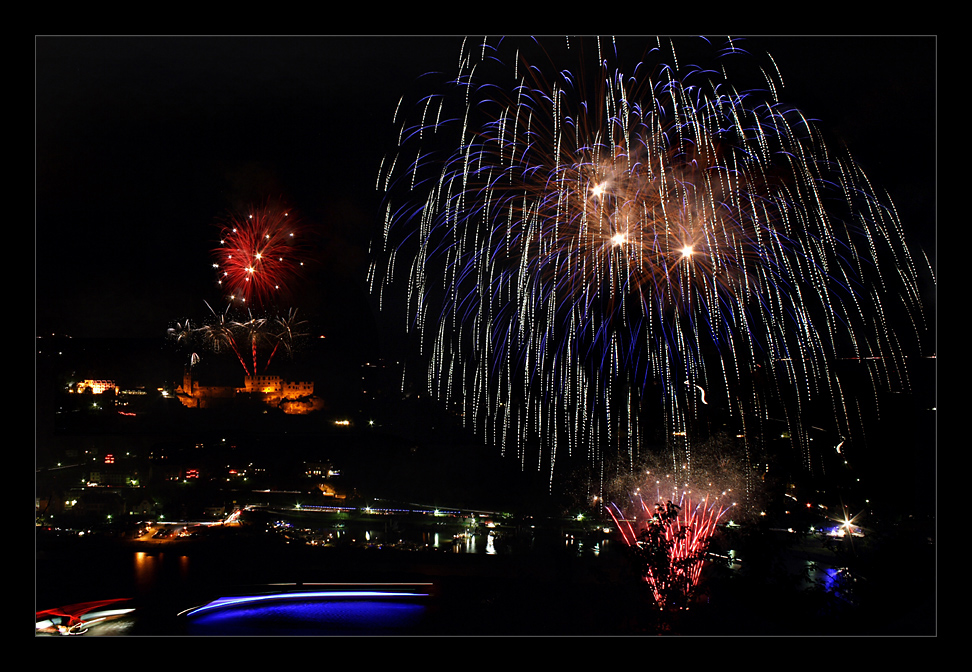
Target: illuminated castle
[(290, 397), (276, 388)]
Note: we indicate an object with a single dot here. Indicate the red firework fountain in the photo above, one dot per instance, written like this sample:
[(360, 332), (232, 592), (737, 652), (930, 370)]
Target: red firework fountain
[(671, 541)]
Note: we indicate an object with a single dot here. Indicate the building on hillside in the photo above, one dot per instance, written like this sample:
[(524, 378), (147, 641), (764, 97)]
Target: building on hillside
[(291, 397), (95, 387)]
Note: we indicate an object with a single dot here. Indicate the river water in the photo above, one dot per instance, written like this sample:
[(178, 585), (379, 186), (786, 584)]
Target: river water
[(455, 582)]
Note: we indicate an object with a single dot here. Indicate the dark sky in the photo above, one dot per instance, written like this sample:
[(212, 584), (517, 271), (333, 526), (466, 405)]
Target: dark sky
[(142, 142)]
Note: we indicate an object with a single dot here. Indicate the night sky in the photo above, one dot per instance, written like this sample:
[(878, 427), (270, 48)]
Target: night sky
[(143, 142)]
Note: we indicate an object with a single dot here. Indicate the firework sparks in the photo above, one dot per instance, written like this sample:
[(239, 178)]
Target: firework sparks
[(578, 242), (670, 529), (285, 331), (259, 255), (249, 336), (219, 334)]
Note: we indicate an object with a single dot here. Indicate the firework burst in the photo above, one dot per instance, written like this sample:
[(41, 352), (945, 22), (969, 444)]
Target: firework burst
[(247, 338), (585, 237), (669, 523), (260, 253), (671, 537)]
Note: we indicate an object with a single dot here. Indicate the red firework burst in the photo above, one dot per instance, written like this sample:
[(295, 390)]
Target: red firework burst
[(671, 541), (259, 255)]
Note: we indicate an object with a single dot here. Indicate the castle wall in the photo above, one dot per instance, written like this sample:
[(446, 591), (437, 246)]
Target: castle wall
[(272, 390)]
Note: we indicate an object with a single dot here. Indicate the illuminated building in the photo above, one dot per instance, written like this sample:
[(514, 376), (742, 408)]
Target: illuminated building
[(95, 386), (291, 397), (276, 388)]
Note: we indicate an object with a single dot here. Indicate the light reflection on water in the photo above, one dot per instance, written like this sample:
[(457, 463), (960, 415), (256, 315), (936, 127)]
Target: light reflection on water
[(469, 539), (146, 571), (179, 573), (153, 571)]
